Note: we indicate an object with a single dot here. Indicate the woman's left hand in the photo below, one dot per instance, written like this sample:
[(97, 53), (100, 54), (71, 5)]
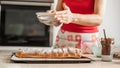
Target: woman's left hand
[(64, 16)]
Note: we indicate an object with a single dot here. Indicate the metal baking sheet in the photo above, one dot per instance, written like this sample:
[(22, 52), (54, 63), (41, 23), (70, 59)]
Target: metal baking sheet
[(48, 60)]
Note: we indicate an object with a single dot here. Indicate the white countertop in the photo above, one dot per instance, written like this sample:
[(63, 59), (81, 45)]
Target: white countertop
[(5, 63), (88, 65)]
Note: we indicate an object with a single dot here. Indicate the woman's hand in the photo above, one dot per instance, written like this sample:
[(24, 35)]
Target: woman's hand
[(64, 16)]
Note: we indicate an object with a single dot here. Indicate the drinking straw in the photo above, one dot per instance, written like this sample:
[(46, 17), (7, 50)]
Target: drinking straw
[(105, 35)]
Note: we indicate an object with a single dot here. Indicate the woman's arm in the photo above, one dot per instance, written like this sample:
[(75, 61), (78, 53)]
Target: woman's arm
[(59, 6), (91, 19)]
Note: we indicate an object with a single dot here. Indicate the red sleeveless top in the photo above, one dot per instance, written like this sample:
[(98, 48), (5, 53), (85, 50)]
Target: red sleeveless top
[(82, 7)]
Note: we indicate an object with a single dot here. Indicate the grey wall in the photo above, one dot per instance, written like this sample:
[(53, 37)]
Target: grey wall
[(111, 22)]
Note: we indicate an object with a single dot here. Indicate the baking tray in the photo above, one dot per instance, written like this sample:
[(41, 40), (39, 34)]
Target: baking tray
[(48, 60)]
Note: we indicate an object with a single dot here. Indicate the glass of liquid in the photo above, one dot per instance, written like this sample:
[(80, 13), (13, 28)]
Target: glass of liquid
[(106, 49)]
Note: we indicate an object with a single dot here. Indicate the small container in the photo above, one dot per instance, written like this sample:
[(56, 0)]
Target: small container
[(97, 51), (46, 18), (106, 49)]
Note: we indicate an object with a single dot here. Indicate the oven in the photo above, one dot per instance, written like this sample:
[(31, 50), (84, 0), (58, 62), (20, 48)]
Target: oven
[(19, 25)]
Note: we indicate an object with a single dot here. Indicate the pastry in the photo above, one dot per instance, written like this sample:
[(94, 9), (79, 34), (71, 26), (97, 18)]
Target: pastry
[(49, 53)]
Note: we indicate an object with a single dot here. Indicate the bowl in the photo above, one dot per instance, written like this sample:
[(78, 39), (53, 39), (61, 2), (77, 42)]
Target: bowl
[(46, 18)]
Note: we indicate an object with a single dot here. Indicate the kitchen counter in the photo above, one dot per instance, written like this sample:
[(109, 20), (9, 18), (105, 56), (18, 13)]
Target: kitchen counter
[(6, 63)]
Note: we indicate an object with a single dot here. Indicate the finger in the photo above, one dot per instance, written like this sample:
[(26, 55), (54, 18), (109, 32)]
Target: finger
[(65, 22), (61, 12), (62, 19), (58, 16), (61, 15), (51, 11), (65, 7), (65, 16), (59, 19)]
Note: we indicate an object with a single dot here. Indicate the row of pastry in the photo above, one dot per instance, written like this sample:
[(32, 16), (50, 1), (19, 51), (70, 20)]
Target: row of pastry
[(49, 53)]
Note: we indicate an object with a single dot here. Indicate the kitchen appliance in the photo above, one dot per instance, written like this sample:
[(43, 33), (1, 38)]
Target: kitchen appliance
[(19, 25)]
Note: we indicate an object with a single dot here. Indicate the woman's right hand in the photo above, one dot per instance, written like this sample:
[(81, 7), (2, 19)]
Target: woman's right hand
[(54, 12), (65, 16)]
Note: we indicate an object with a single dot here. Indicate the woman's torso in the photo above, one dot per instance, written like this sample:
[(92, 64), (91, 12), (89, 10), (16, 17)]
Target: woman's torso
[(82, 7)]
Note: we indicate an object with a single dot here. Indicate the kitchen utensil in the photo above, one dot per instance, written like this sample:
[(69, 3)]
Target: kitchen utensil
[(46, 18)]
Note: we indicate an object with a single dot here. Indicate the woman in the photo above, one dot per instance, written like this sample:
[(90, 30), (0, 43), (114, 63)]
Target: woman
[(80, 20)]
